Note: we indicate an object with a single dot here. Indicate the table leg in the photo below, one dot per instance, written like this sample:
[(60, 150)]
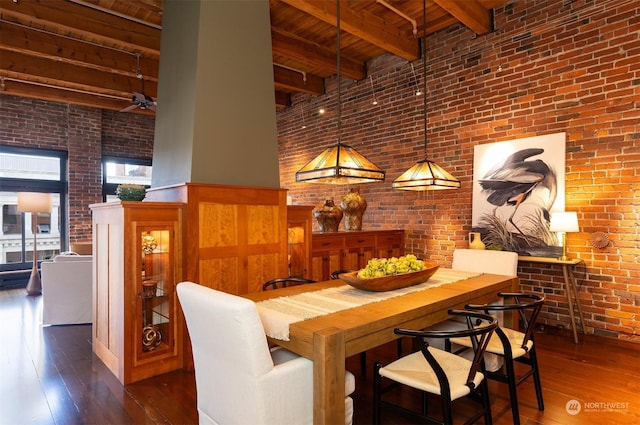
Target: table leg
[(574, 286), (568, 288), (328, 376)]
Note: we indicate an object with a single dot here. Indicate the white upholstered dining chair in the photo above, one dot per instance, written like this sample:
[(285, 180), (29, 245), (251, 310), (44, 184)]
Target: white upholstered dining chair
[(239, 380), (486, 261)]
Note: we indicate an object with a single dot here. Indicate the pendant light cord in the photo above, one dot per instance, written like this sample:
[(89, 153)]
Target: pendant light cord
[(338, 78), (424, 71)]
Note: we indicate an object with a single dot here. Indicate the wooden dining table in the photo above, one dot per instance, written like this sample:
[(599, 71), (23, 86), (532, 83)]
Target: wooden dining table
[(329, 339)]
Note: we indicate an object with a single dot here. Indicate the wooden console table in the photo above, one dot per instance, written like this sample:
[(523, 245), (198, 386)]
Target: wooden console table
[(570, 287)]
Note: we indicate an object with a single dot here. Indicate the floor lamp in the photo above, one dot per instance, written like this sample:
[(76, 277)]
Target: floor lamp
[(34, 203), (564, 222)]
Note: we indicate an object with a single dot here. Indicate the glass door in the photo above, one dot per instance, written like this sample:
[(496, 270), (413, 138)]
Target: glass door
[(155, 291)]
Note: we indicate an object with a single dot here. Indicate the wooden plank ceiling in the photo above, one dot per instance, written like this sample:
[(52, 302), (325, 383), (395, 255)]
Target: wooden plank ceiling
[(99, 52)]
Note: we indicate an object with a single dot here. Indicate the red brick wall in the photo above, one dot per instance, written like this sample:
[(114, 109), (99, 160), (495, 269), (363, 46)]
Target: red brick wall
[(550, 67), (84, 126), (86, 134), (135, 142)]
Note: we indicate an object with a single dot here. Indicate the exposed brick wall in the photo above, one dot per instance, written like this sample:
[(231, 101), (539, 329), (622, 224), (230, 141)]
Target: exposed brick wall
[(84, 127), (550, 67), (135, 142), (86, 134)]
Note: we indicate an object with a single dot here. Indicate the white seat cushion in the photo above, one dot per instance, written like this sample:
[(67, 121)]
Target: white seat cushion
[(414, 370), (491, 361), (495, 344)]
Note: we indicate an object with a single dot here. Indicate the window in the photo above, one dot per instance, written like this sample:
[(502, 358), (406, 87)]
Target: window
[(22, 166), (11, 220), (31, 170), (117, 171)]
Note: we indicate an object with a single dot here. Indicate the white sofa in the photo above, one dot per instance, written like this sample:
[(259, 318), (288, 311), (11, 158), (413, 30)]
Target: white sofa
[(67, 290)]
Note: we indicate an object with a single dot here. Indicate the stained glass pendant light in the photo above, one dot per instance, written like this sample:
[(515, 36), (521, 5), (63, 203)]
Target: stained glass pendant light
[(340, 164), (425, 174)]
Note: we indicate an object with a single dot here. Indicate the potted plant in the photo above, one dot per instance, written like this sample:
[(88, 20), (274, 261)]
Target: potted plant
[(131, 192)]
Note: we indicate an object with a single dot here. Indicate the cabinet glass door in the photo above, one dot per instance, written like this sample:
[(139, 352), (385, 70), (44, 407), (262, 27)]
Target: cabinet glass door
[(155, 292), (297, 252)]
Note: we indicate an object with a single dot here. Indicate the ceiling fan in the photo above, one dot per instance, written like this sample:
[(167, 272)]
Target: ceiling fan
[(139, 99)]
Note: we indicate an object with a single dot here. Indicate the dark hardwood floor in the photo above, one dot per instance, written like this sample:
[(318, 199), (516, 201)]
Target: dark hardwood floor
[(48, 375)]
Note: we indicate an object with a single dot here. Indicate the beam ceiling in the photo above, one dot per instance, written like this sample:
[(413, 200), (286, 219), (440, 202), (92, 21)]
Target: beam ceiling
[(99, 52)]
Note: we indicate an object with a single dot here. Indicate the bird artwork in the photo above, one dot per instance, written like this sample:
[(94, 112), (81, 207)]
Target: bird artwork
[(511, 183)]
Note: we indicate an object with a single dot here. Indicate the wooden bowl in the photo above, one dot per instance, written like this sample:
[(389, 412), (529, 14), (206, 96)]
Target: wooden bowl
[(389, 283)]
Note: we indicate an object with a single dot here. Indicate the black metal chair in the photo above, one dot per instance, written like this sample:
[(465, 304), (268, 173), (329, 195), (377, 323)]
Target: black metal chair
[(513, 345), (439, 372), (283, 282)]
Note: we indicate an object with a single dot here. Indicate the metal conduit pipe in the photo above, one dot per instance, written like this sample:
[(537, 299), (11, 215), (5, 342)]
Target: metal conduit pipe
[(402, 14)]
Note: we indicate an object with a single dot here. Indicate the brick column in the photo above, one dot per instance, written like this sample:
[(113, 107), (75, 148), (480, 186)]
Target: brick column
[(84, 133)]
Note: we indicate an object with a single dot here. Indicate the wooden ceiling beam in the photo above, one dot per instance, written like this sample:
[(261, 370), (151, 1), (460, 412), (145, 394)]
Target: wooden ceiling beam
[(313, 55), (53, 94), (286, 79), (470, 13), (364, 25), (28, 41), (70, 19), (60, 74), (283, 100)]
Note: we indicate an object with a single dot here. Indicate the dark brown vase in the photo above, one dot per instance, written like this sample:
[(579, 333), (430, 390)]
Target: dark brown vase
[(328, 216), (353, 206)]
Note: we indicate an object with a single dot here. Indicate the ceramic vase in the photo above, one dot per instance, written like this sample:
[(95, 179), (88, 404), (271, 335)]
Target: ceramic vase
[(328, 216), (475, 241), (353, 206)]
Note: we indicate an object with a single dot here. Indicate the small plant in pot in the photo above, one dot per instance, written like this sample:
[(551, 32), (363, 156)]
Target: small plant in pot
[(131, 192)]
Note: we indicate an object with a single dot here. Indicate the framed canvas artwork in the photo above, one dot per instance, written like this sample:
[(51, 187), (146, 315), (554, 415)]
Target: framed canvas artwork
[(517, 184)]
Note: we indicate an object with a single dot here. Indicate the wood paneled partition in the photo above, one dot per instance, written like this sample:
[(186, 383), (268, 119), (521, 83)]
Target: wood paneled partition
[(236, 236)]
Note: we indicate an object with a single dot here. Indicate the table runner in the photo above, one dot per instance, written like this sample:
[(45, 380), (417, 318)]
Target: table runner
[(278, 313)]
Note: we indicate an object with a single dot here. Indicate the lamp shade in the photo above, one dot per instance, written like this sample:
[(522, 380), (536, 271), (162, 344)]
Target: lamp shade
[(564, 222), (340, 164), (426, 175), (34, 202)]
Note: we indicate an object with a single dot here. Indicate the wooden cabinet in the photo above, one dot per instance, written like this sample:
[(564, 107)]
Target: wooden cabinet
[(137, 323), (352, 250), (358, 250), (390, 244), (327, 251), (299, 230)]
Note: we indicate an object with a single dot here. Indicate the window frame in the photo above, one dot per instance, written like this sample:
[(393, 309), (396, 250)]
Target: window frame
[(60, 187), (110, 188)]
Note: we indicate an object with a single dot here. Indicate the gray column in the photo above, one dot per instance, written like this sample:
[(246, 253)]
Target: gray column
[(215, 119)]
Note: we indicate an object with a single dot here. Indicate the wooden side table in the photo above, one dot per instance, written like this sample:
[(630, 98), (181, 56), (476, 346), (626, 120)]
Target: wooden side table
[(570, 287)]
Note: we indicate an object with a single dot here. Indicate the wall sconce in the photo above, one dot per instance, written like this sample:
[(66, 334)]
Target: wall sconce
[(564, 222), (34, 203)]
